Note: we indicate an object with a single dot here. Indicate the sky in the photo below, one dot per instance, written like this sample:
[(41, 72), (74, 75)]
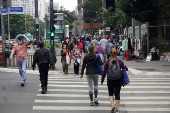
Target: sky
[(68, 4)]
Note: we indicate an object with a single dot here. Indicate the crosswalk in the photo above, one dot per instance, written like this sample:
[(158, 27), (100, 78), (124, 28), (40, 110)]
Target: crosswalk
[(149, 94)]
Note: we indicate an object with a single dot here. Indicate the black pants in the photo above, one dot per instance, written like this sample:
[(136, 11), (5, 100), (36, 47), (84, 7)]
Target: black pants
[(43, 70), (108, 56), (76, 68), (114, 87)]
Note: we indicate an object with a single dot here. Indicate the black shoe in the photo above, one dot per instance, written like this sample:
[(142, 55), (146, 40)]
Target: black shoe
[(96, 101), (22, 84), (91, 103), (43, 91)]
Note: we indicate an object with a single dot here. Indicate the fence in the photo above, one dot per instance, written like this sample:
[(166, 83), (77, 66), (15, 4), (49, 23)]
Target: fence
[(13, 62)]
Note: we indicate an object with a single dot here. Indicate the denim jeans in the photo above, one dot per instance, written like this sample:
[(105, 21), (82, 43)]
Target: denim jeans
[(22, 69)]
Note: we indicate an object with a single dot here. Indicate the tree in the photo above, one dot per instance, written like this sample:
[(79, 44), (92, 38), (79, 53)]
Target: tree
[(142, 10), (71, 26), (17, 25), (91, 8)]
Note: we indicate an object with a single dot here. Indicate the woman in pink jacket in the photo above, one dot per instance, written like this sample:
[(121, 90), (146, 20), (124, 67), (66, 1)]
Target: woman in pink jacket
[(80, 46)]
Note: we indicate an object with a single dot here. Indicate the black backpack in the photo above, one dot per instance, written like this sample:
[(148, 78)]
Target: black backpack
[(114, 72)]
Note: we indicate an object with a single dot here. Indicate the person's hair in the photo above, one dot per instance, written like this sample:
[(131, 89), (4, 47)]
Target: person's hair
[(41, 44), (99, 44), (113, 54), (20, 38), (91, 47), (64, 45), (109, 40)]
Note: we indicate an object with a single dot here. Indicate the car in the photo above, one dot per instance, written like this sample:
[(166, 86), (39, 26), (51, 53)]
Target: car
[(11, 43)]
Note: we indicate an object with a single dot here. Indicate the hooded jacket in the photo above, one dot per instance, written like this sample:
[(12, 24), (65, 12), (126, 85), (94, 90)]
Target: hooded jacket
[(90, 63)]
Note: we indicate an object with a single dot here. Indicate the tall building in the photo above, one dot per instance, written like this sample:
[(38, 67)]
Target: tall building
[(55, 6), (30, 7)]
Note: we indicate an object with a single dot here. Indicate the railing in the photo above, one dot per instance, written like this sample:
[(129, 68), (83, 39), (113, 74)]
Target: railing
[(13, 62)]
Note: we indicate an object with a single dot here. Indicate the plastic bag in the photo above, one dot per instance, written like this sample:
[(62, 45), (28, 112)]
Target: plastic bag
[(67, 59), (28, 35)]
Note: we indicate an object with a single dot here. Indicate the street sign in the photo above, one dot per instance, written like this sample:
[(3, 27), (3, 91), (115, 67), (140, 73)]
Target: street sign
[(13, 10), (48, 31), (48, 40), (16, 10), (59, 31)]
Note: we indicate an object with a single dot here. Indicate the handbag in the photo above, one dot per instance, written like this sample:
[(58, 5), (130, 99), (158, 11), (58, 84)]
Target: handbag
[(125, 77), (67, 59), (100, 69)]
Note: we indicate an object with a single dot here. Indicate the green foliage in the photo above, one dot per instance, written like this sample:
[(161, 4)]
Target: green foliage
[(71, 26), (91, 8), (141, 10), (46, 45), (17, 25)]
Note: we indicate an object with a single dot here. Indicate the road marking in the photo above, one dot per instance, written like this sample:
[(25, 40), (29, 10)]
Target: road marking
[(103, 102), (127, 87), (145, 83), (104, 96), (105, 91), (97, 108), (99, 79)]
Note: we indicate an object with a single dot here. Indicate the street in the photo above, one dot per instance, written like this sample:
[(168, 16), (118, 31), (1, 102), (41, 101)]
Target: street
[(69, 94)]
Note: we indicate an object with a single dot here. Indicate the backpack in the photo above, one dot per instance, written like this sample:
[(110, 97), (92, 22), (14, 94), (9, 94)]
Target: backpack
[(114, 72)]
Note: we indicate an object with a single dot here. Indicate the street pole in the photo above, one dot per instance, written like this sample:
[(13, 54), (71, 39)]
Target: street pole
[(52, 37), (37, 20), (9, 37), (2, 34), (25, 19)]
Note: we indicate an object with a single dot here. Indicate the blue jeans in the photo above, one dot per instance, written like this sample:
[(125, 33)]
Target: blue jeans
[(22, 69)]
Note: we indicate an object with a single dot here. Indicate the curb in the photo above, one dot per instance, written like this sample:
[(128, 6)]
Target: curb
[(137, 72)]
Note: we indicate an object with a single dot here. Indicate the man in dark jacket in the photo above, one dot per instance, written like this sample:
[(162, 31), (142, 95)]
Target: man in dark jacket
[(43, 58)]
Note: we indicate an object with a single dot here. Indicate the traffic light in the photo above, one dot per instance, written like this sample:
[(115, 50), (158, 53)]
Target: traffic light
[(52, 33), (37, 27)]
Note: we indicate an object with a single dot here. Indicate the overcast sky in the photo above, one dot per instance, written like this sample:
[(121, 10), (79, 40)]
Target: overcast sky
[(68, 4)]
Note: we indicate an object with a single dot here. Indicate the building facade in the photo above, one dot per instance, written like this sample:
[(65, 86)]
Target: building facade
[(29, 7)]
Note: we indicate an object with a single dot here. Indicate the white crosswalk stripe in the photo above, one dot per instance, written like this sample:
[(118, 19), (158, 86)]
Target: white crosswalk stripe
[(68, 92)]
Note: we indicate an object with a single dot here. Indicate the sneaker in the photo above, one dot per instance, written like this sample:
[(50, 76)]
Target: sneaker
[(22, 84), (96, 101), (113, 109), (117, 111), (91, 103)]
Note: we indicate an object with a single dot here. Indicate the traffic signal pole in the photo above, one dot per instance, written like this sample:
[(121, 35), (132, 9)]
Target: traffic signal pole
[(52, 31), (36, 21)]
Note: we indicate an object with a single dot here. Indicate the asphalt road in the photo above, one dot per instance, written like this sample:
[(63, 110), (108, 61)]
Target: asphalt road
[(69, 94)]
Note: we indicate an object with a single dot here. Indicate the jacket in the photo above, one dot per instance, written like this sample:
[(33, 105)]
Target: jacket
[(41, 56), (95, 42), (90, 63), (103, 43), (109, 46), (100, 50)]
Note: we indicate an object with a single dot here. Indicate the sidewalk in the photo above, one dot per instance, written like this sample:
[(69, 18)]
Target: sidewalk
[(136, 67)]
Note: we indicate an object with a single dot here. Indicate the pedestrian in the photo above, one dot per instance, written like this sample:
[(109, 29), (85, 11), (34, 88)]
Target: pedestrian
[(21, 50), (92, 73), (43, 59), (100, 51), (64, 52), (109, 46), (86, 44), (103, 43), (80, 46), (35, 45), (76, 59), (114, 86), (95, 42), (99, 38)]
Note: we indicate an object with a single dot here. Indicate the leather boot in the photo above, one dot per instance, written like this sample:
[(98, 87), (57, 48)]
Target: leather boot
[(43, 87)]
